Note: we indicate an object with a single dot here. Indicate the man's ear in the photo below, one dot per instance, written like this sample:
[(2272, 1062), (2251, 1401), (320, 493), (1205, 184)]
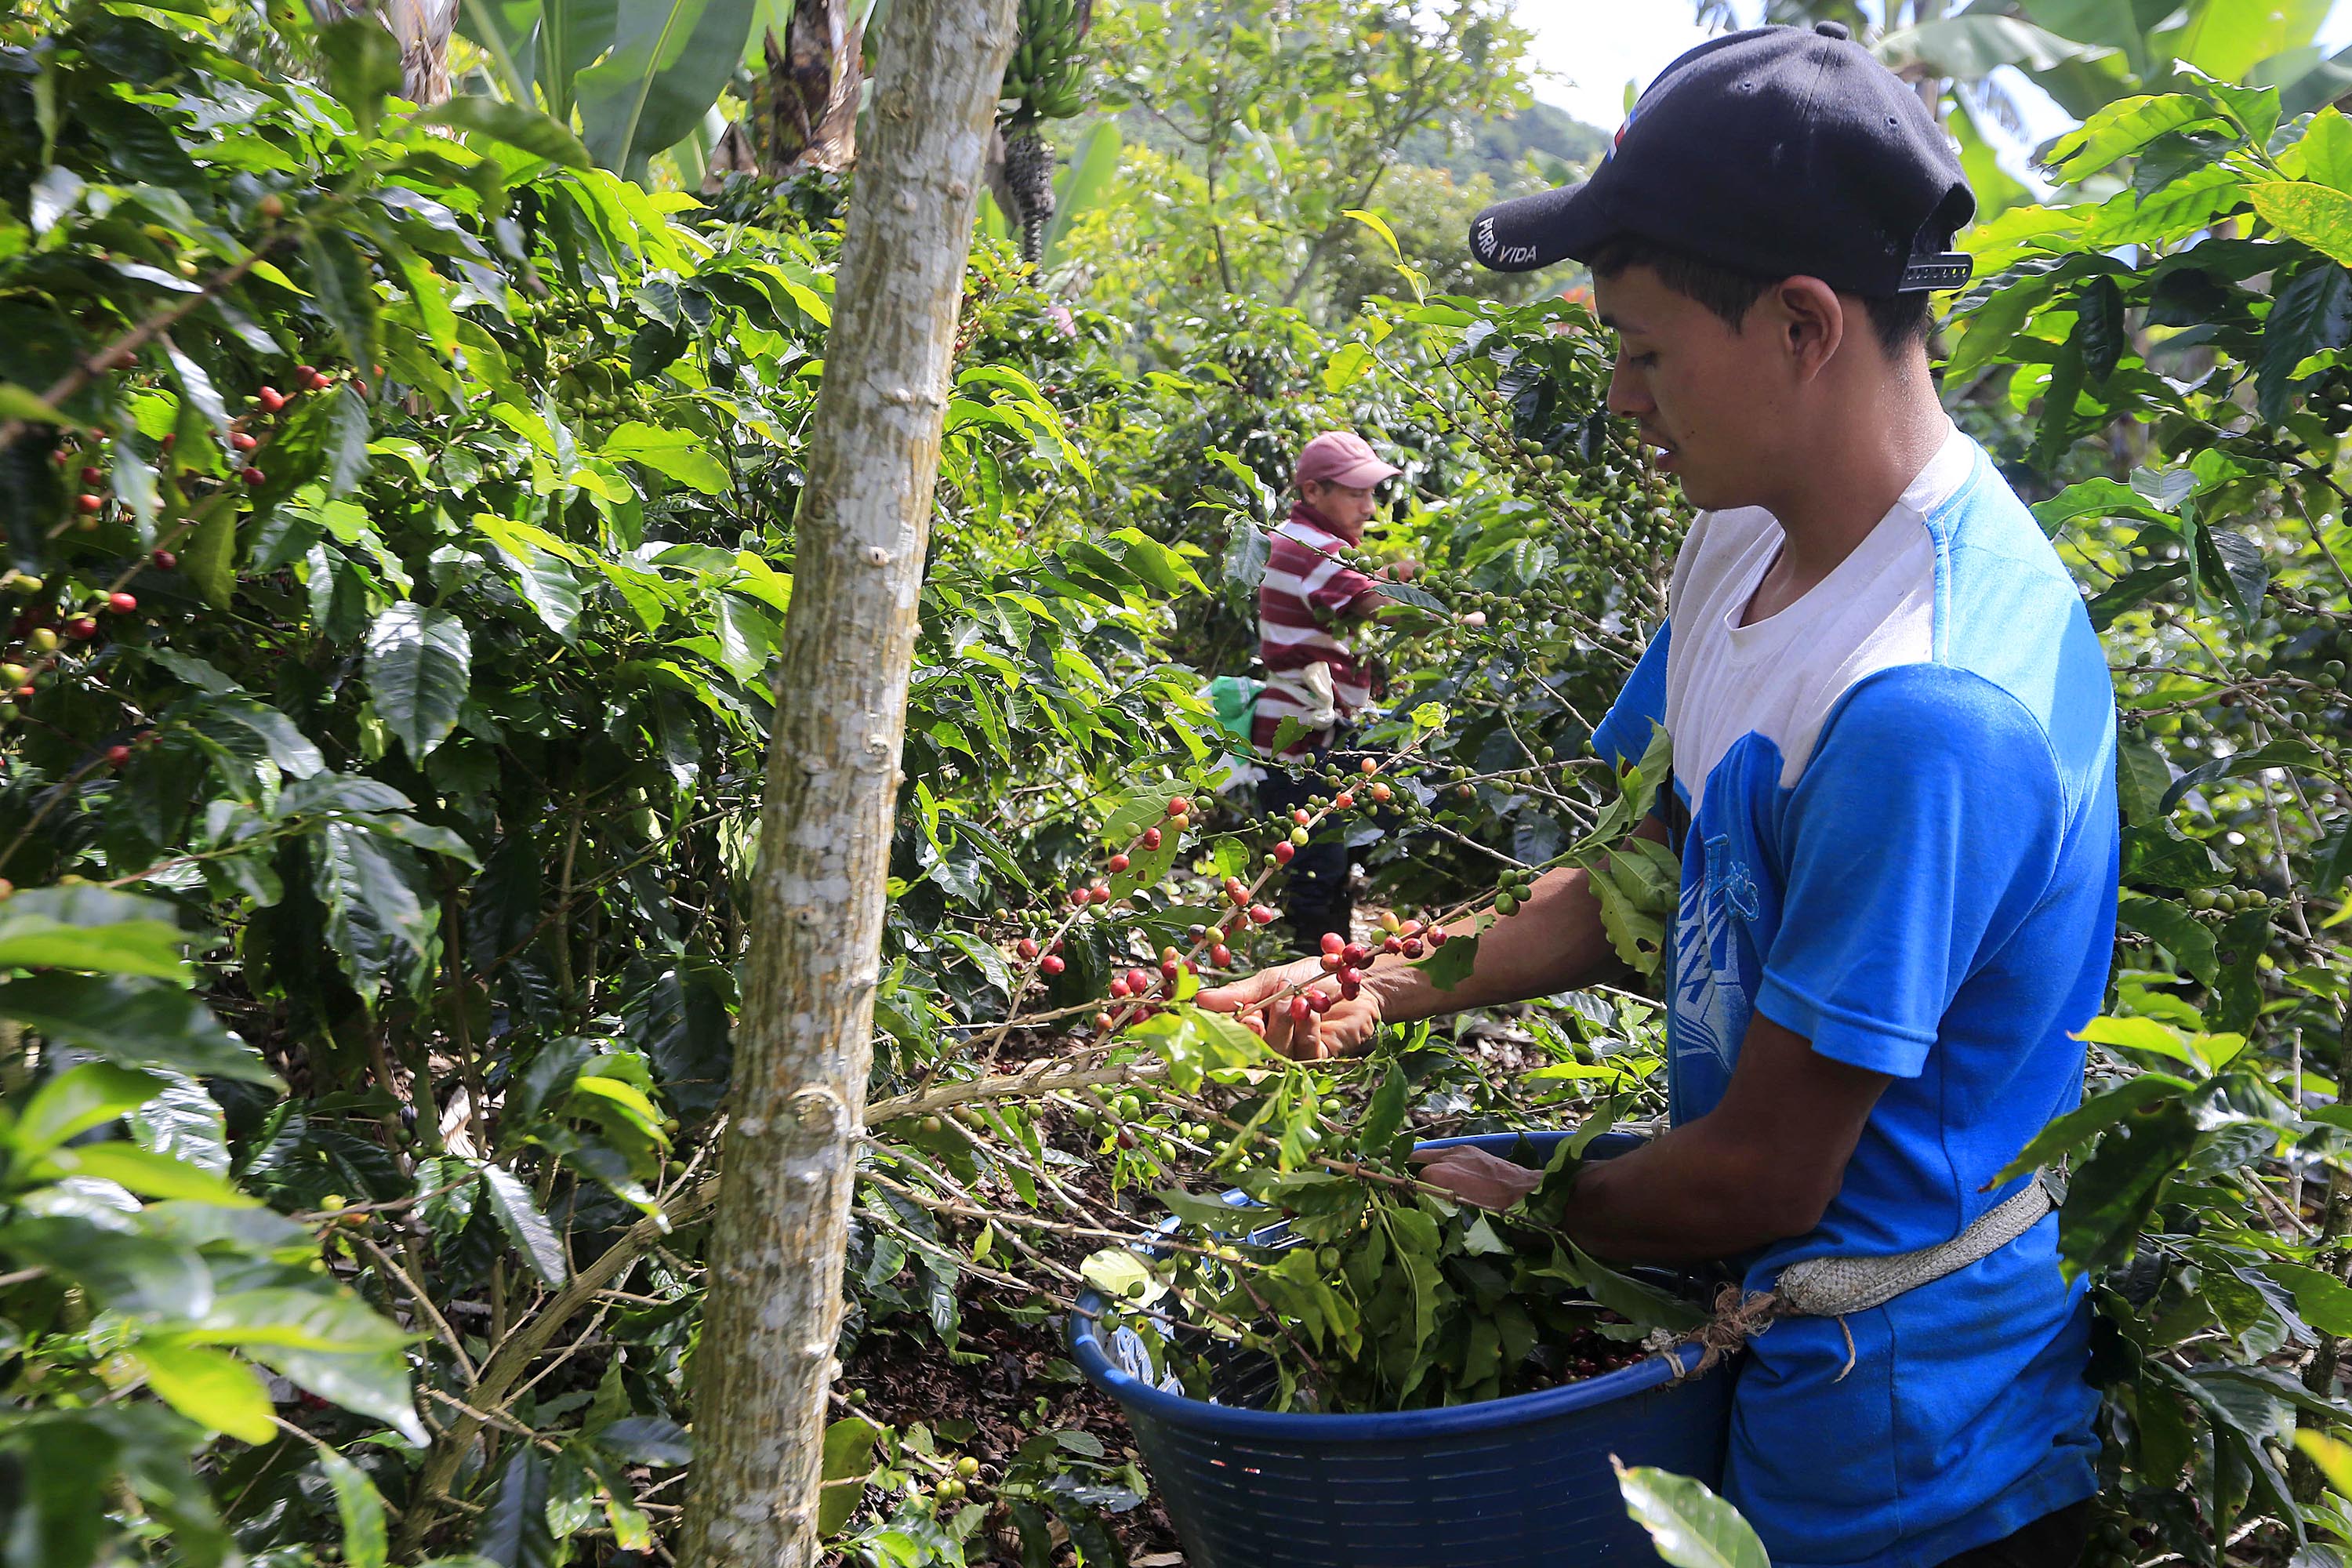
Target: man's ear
[(1809, 322)]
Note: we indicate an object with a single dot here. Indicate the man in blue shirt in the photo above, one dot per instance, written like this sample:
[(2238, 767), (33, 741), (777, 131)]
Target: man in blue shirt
[(1894, 798)]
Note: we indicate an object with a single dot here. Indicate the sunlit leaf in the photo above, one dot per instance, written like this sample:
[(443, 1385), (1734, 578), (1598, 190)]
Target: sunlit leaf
[(214, 1389), (518, 1214), (1690, 1526), (418, 663)]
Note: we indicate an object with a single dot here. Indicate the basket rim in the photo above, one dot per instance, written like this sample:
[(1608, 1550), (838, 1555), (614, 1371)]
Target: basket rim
[(1083, 1332)]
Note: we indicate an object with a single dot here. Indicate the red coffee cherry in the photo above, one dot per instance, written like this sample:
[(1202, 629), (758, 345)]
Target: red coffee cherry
[(1179, 806), (1151, 838), (1117, 863), (1052, 964), (272, 399), (122, 604)]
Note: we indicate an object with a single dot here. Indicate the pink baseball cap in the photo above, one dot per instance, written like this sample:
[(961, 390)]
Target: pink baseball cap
[(1343, 458)]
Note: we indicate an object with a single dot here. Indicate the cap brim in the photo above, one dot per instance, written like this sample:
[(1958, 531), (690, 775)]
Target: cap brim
[(1530, 232), (1364, 476)]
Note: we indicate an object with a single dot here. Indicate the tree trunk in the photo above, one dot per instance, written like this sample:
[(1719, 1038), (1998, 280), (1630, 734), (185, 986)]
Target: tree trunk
[(804, 1046), (1930, 89), (2334, 1224)]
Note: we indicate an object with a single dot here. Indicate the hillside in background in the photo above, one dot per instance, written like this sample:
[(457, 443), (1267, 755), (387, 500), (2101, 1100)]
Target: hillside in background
[(1498, 147), (1429, 196), (1494, 147)]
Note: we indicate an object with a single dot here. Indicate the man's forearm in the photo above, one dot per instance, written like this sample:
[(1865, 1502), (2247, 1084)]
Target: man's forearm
[(1686, 1196), (1761, 1167), (1554, 943)]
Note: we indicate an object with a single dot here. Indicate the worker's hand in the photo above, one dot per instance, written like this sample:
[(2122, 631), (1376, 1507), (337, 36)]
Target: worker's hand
[(1488, 1181), (1347, 1030)]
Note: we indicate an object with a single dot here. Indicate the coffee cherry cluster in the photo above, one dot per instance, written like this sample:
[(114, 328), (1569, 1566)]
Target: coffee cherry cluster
[(1136, 986), (585, 357), (42, 633), (38, 637), (1511, 890)]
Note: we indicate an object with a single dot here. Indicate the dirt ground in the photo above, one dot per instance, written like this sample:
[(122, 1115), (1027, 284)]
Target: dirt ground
[(906, 1382)]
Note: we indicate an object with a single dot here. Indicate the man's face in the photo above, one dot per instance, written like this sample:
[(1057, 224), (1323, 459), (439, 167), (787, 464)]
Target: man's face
[(1704, 396), (1350, 506)]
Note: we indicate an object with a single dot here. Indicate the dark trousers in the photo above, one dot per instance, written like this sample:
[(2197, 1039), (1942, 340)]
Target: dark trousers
[(1316, 896), (2054, 1541)]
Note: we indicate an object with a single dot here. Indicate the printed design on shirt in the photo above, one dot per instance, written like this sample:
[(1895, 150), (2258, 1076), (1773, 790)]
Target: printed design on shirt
[(1731, 882), (1716, 972)]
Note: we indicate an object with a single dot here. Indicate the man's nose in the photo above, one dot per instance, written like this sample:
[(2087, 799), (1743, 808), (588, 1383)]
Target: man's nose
[(1627, 395)]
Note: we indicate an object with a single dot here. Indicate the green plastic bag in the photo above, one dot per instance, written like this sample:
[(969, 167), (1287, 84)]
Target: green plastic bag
[(1234, 697)]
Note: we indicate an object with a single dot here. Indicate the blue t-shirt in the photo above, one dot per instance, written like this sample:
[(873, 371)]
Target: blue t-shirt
[(1903, 846)]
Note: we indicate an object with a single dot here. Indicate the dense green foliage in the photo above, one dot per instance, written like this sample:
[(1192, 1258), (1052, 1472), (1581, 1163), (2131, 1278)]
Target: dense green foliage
[(378, 796), (399, 530)]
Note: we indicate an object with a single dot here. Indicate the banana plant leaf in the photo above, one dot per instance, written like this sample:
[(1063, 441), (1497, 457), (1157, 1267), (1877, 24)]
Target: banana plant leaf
[(1092, 169), (573, 36), (669, 59), (508, 31)]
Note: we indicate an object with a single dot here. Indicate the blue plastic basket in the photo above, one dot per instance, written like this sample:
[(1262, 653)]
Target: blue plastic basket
[(1506, 1483)]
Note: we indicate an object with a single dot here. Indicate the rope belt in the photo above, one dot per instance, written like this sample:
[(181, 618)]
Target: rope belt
[(1832, 1287)]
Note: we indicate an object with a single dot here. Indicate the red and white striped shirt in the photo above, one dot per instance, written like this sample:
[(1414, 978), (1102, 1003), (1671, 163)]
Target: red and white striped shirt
[(1305, 590)]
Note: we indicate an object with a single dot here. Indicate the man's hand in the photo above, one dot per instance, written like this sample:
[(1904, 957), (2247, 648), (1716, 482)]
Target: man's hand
[(1475, 1176), (1347, 1030)]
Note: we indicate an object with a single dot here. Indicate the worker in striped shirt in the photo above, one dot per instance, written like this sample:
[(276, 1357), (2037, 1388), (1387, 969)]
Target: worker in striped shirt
[(1304, 603)]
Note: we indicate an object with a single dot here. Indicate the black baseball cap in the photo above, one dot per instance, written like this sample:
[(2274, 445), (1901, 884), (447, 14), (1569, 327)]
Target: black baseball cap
[(1776, 151)]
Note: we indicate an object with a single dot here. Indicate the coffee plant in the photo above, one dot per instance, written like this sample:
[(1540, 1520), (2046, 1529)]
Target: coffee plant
[(400, 526)]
